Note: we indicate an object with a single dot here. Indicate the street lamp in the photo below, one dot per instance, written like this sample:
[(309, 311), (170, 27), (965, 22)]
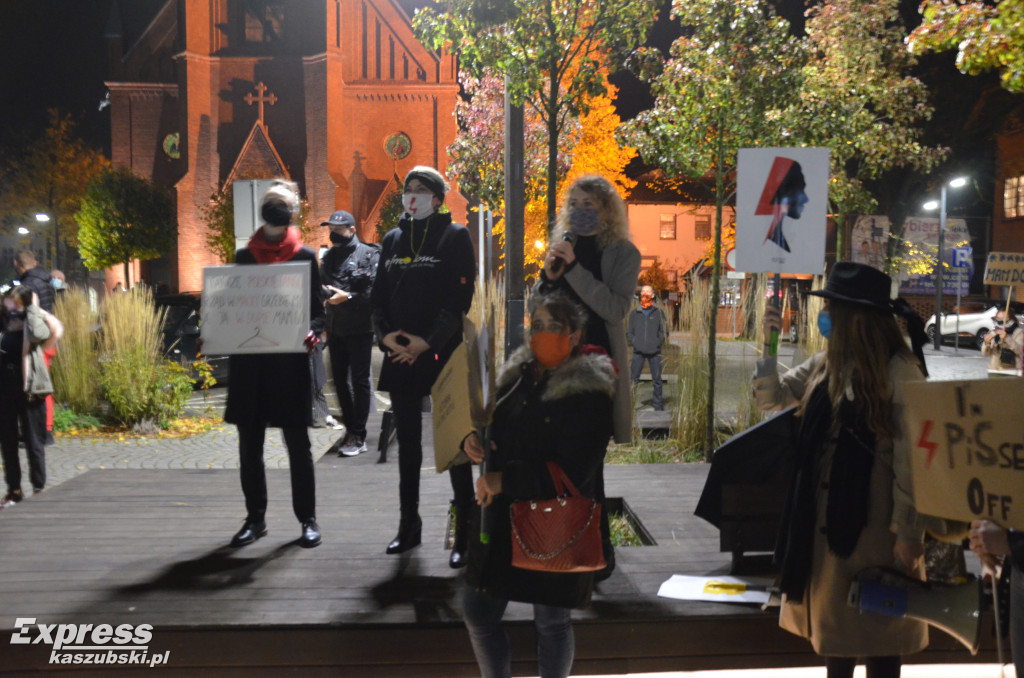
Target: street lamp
[(43, 217), (930, 205)]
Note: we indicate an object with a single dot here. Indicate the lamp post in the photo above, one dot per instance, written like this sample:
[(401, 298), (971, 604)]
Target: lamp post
[(930, 205), (42, 218)]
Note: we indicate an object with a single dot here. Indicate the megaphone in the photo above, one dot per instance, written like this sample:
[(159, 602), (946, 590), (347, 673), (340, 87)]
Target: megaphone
[(955, 609)]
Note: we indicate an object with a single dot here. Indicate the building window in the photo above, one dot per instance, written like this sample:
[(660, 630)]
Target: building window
[(668, 227), (1013, 197), (702, 227)]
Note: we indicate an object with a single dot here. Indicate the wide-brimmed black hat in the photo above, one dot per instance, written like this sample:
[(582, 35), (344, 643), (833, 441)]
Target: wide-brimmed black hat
[(858, 284)]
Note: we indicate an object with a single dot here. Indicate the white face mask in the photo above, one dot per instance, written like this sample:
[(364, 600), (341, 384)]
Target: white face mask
[(419, 205)]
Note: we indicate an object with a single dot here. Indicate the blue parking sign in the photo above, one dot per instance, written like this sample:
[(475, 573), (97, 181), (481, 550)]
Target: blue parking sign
[(962, 257)]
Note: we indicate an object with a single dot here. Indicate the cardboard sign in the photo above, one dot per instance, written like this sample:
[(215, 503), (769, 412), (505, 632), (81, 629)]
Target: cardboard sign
[(451, 411), (967, 449), (781, 206), (462, 393), (1004, 268), (255, 309)]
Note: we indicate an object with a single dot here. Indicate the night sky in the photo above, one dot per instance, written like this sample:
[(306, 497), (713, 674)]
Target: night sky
[(53, 54)]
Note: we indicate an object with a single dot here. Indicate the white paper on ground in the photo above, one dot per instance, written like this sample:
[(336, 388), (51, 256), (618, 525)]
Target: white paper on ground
[(717, 589)]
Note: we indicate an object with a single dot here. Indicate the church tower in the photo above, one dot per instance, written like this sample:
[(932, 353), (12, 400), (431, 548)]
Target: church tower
[(337, 95)]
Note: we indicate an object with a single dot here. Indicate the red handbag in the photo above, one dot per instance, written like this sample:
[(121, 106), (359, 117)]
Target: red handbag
[(557, 535)]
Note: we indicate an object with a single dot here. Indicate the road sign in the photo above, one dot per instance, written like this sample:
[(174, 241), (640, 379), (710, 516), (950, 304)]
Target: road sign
[(962, 257), (730, 259)]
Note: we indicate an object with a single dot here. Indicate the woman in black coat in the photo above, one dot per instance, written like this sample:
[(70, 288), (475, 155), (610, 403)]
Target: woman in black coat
[(424, 285), (273, 389), (554, 403)]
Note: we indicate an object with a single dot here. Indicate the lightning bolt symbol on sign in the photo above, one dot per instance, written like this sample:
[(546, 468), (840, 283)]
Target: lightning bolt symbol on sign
[(923, 442)]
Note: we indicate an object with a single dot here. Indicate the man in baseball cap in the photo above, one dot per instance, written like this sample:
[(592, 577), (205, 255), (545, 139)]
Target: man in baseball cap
[(348, 270)]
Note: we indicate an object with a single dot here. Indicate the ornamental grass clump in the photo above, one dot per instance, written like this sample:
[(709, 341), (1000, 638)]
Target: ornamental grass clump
[(144, 389), (692, 372), (75, 370)]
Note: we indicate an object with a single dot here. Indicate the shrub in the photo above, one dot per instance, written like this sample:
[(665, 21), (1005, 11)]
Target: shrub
[(76, 372), (140, 384)]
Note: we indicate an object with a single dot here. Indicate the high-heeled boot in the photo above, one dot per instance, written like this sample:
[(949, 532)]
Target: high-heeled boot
[(410, 529), (460, 545)]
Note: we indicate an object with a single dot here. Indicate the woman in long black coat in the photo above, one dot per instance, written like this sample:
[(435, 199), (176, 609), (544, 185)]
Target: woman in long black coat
[(273, 389), (554, 403)]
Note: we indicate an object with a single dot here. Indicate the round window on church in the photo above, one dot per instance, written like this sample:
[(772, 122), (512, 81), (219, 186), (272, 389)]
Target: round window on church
[(171, 147), (397, 145)]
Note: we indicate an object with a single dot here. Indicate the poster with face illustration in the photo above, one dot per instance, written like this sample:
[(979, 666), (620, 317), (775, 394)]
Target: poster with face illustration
[(781, 207)]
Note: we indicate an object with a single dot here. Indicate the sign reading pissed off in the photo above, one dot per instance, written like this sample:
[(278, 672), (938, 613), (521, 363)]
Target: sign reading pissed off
[(967, 449)]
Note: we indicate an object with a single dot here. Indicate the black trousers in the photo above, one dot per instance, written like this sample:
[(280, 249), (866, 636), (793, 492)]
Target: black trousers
[(17, 408), (351, 354), (408, 410), (254, 477), (875, 667)]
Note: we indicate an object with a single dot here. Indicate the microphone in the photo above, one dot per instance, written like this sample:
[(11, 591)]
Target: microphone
[(569, 237)]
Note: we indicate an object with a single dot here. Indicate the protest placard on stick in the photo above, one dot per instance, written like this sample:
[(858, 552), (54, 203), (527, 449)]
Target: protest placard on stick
[(967, 449)]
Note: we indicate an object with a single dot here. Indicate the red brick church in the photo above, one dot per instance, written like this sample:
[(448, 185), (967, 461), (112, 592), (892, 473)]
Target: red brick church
[(336, 95)]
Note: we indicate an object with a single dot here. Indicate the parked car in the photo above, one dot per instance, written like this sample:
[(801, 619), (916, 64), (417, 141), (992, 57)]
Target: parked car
[(974, 326), (181, 332)]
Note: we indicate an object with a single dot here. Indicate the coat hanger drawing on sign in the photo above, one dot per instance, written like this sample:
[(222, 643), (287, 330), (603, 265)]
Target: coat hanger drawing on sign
[(257, 341)]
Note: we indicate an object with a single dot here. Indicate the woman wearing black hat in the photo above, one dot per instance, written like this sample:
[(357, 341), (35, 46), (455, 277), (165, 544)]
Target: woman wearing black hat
[(425, 282), (849, 506)]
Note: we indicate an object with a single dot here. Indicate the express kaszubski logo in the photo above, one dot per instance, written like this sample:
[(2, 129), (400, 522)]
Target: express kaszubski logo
[(90, 643)]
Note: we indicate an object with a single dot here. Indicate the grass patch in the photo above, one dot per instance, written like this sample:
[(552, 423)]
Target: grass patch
[(621, 530), (642, 451)]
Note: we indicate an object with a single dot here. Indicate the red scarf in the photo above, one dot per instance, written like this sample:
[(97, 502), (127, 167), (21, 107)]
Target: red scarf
[(285, 249)]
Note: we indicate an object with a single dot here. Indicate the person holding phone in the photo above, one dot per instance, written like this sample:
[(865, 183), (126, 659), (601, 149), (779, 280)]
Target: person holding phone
[(348, 270)]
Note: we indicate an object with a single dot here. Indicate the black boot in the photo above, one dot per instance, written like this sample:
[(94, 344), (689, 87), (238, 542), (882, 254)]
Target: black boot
[(460, 545), (410, 528)]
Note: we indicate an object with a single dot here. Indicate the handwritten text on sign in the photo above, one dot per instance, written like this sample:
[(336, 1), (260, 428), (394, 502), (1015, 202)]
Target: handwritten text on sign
[(1004, 268), (967, 449), (255, 309)]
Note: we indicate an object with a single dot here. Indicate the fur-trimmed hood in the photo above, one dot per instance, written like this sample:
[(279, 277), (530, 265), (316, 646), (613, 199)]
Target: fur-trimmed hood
[(581, 373)]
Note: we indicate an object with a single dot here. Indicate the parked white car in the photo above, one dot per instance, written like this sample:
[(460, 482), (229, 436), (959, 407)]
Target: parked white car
[(977, 325)]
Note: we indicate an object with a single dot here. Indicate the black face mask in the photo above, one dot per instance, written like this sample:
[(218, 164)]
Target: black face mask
[(339, 239), (15, 315)]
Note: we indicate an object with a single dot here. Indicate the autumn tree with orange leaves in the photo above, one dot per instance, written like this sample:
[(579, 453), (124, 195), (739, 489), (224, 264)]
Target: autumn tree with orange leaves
[(586, 146)]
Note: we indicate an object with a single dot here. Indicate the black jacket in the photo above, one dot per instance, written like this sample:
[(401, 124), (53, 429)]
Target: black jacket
[(565, 417), (425, 282), (646, 333), (38, 279), (352, 268), (274, 388)]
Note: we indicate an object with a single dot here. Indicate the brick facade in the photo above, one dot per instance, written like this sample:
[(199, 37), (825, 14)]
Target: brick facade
[(343, 75)]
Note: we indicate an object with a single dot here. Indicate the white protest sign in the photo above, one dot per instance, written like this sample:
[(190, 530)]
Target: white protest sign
[(1004, 268), (967, 449), (781, 208), (255, 309)]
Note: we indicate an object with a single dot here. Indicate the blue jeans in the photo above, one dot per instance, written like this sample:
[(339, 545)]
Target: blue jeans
[(556, 644), (638, 366)]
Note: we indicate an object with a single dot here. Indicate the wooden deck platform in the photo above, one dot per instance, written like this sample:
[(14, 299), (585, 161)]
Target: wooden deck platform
[(148, 547)]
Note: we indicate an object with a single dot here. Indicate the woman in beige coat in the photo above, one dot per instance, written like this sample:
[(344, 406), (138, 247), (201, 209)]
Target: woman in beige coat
[(1007, 334), (850, 505)]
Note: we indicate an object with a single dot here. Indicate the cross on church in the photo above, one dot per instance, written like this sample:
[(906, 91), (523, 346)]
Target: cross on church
[(260, 99)]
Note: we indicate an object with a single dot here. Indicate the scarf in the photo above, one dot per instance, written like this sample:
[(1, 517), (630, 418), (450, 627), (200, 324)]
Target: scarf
[(848, 488), (285, 249)]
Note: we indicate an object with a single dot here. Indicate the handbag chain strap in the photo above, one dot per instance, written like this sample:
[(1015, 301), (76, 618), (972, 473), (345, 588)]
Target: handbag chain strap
[(572, 540)]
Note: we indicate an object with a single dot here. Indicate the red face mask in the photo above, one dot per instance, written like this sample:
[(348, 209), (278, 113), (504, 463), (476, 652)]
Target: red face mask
[(646, 301), (550, 349)]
